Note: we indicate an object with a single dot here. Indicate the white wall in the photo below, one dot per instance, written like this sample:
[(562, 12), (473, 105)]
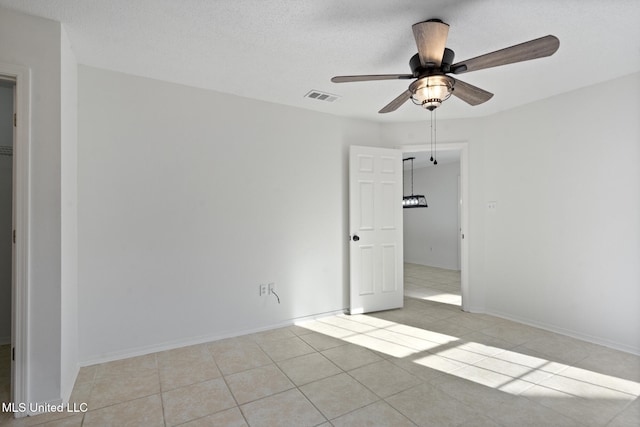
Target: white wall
[(189, 199), (561, 251), (431, 234), (6, 180)]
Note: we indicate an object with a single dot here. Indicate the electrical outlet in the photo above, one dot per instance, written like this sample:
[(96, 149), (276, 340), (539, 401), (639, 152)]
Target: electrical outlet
[(272, 287), (263, 290)]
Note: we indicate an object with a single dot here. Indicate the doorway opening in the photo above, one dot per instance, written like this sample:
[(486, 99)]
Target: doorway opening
[(7, 167), (17, 79), (435, 253)]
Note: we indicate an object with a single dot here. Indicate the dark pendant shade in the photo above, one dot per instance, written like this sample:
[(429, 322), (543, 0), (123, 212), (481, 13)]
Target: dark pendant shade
[(414, 200)]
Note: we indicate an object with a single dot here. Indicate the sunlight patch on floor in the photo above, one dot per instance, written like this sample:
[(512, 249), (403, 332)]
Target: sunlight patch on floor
[(502, 369)]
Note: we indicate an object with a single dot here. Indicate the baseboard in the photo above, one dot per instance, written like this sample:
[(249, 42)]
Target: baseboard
[(570, 333), (141, 351)]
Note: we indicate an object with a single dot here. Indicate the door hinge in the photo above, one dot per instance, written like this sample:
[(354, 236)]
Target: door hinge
[(14, 236), (15, 120)]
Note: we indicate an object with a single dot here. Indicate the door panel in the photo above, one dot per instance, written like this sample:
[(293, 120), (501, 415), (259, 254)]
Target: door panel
[(375, 220)]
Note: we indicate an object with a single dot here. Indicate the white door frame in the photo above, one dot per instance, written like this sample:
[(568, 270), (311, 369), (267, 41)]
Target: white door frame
[(463, 238), (20, 262)]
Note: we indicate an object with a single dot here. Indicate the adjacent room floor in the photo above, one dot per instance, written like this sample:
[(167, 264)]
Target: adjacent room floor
[(428, 364)]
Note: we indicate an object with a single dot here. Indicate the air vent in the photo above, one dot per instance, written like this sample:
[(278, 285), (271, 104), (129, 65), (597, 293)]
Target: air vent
[(321, 96)]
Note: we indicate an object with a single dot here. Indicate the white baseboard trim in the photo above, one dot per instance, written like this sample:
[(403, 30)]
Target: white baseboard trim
[(141, 351), (570, 333)]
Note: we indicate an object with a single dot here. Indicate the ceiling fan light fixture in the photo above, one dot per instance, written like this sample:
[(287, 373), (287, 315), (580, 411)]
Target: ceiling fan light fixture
[(431, 91)]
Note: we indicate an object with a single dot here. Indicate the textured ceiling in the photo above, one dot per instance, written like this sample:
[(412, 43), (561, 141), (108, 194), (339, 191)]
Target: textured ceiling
[(279, 50)]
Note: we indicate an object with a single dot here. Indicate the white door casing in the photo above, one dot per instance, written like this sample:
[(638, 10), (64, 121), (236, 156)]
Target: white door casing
[(375, 222)]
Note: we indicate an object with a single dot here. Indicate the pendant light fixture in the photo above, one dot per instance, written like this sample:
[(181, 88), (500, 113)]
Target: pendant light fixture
[(414, 200)]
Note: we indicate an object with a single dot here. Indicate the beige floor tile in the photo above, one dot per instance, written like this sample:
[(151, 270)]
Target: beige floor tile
[(514, 370), (408, 341), (474, 322), (424, 334), (425, 373), (110, 390), (587, 412), (338, 395), (630, 416), (522, 412), (484, 344), (81, 393), (146, 411), (87, 374), (428, 406), (73, 421), (560, 348), (376, 414), (242, 358), (445, 327), (180, 374), (134, 366), (481, 398), (258, 383), (228, 418), (325, 329), (480, 421), (308, 368), (494, 380), (236, 343), (369, 320), (272, 335), (350, 356), (345, 322), (589, 386), (382, 348), (290, 408), (530, 358), (460, 355), (513, 332), (384, 378), (50, 418), (298, 331), (192, 353), (595, 378), (286, 348), (321, 342), (615, 363), (196, 401)]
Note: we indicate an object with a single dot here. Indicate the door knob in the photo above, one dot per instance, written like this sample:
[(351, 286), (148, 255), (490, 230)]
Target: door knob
[(355, 238)]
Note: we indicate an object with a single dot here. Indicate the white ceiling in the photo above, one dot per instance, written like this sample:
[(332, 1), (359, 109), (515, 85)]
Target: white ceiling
[(279, 50)]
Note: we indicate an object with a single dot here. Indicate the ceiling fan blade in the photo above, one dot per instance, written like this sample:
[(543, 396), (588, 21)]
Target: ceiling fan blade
[(393, 105), (533, 49), (370, 77), (470, 94), (431, 37)]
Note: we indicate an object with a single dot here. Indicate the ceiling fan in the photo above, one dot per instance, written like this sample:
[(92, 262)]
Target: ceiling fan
[(433, 62)]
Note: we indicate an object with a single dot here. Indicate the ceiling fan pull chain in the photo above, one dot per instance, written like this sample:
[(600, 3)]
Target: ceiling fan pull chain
[(435, 140), (431, 133)]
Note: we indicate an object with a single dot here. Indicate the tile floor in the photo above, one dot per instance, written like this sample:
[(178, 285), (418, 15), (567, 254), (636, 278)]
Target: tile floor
[(428, 364)]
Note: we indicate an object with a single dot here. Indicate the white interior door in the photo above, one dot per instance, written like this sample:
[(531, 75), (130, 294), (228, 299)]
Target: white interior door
[(375, 221)]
